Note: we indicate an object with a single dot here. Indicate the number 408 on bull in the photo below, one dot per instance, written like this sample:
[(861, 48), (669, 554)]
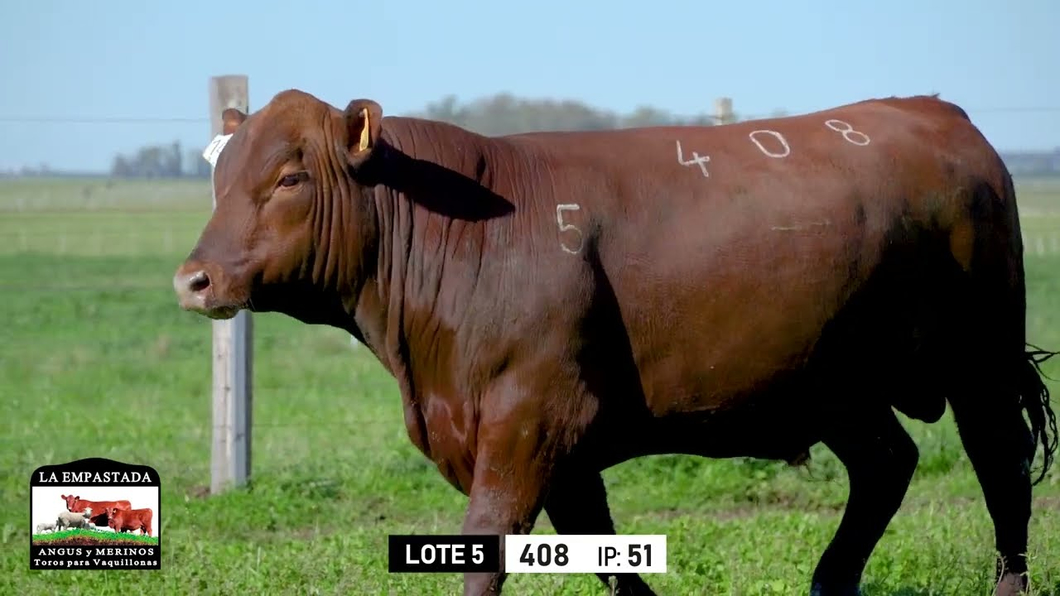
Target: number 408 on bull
[(586, 553)]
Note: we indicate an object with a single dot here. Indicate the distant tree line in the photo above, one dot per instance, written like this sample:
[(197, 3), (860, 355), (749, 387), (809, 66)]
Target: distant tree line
[(160, 161), (497, 115), (1033, 162), (506, 114)]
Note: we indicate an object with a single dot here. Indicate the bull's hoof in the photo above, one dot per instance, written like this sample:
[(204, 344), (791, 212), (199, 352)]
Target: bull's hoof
[(822, 589), (1011, 584)]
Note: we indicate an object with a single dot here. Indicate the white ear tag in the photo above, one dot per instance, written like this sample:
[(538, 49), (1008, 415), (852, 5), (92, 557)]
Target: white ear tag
[(213, 150)]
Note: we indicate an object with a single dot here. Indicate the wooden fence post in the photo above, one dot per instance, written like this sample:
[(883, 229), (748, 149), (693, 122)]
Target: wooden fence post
[(723, 110), (232, 341)]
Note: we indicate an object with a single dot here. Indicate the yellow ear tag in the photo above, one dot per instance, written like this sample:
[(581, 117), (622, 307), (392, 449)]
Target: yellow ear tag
[(364, 131)]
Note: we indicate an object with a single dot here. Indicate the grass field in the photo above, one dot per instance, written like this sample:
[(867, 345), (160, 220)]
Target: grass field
[(91, 324), (96, 535)]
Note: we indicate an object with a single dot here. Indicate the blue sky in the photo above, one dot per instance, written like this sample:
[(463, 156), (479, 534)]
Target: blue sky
[(145, 59)]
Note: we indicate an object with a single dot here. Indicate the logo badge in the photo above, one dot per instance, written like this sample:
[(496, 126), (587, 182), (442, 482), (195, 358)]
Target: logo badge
[(95, 514)]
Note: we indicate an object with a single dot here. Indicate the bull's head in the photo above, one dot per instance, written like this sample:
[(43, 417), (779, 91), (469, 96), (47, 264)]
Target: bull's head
[(291, 217)]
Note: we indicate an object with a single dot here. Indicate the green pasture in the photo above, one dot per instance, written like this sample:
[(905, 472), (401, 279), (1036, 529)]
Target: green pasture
[(97, 360), (97, 534)]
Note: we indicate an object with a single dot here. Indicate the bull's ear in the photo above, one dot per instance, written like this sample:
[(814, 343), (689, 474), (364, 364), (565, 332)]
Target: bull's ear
[(363, 122), (231, 118)]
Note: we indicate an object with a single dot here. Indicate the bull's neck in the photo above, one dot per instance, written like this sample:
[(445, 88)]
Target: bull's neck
[(434, 197)]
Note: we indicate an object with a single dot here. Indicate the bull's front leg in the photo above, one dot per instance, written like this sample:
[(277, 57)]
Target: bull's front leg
[(507, 495), (520, 438)]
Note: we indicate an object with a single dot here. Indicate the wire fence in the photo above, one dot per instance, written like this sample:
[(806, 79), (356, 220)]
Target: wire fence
[(83, 119), (185, 124), (1042, 244), (101, 119), (163, 218), (95, 243), (55, 223), (171, 243)]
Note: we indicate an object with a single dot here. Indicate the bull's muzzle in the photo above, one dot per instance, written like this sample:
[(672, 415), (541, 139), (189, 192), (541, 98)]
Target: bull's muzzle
[(195, 292), (191, 288)]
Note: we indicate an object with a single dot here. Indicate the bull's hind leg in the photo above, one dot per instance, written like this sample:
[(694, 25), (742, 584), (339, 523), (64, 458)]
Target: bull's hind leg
[(1000, 448), (880, 458), (577, 504)]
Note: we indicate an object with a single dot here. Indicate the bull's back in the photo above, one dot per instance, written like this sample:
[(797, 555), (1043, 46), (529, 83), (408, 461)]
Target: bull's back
[(730, 249)]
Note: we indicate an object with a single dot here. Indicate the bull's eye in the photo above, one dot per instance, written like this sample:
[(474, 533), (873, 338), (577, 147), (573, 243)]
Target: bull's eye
[(290, 180)]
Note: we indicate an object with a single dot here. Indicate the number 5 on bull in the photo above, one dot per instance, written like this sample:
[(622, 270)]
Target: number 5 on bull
[(564, 227)]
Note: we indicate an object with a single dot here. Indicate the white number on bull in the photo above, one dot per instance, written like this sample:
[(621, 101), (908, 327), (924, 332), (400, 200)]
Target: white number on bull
[(696, 159), (777, 136), (849, 134), (566, 227)]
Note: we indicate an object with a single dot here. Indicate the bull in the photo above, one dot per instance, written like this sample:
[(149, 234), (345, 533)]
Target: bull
[(553, 304)]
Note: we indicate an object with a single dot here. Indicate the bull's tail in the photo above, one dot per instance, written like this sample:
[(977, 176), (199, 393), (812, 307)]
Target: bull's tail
[(997, 350), (1034, 399), (1032, 390)]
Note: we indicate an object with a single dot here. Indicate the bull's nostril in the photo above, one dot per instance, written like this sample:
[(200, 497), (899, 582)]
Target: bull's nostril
[(199, 282)]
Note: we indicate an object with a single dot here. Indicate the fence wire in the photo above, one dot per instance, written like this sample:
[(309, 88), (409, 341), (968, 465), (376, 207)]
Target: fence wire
[(165, 244), (155, 119)]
